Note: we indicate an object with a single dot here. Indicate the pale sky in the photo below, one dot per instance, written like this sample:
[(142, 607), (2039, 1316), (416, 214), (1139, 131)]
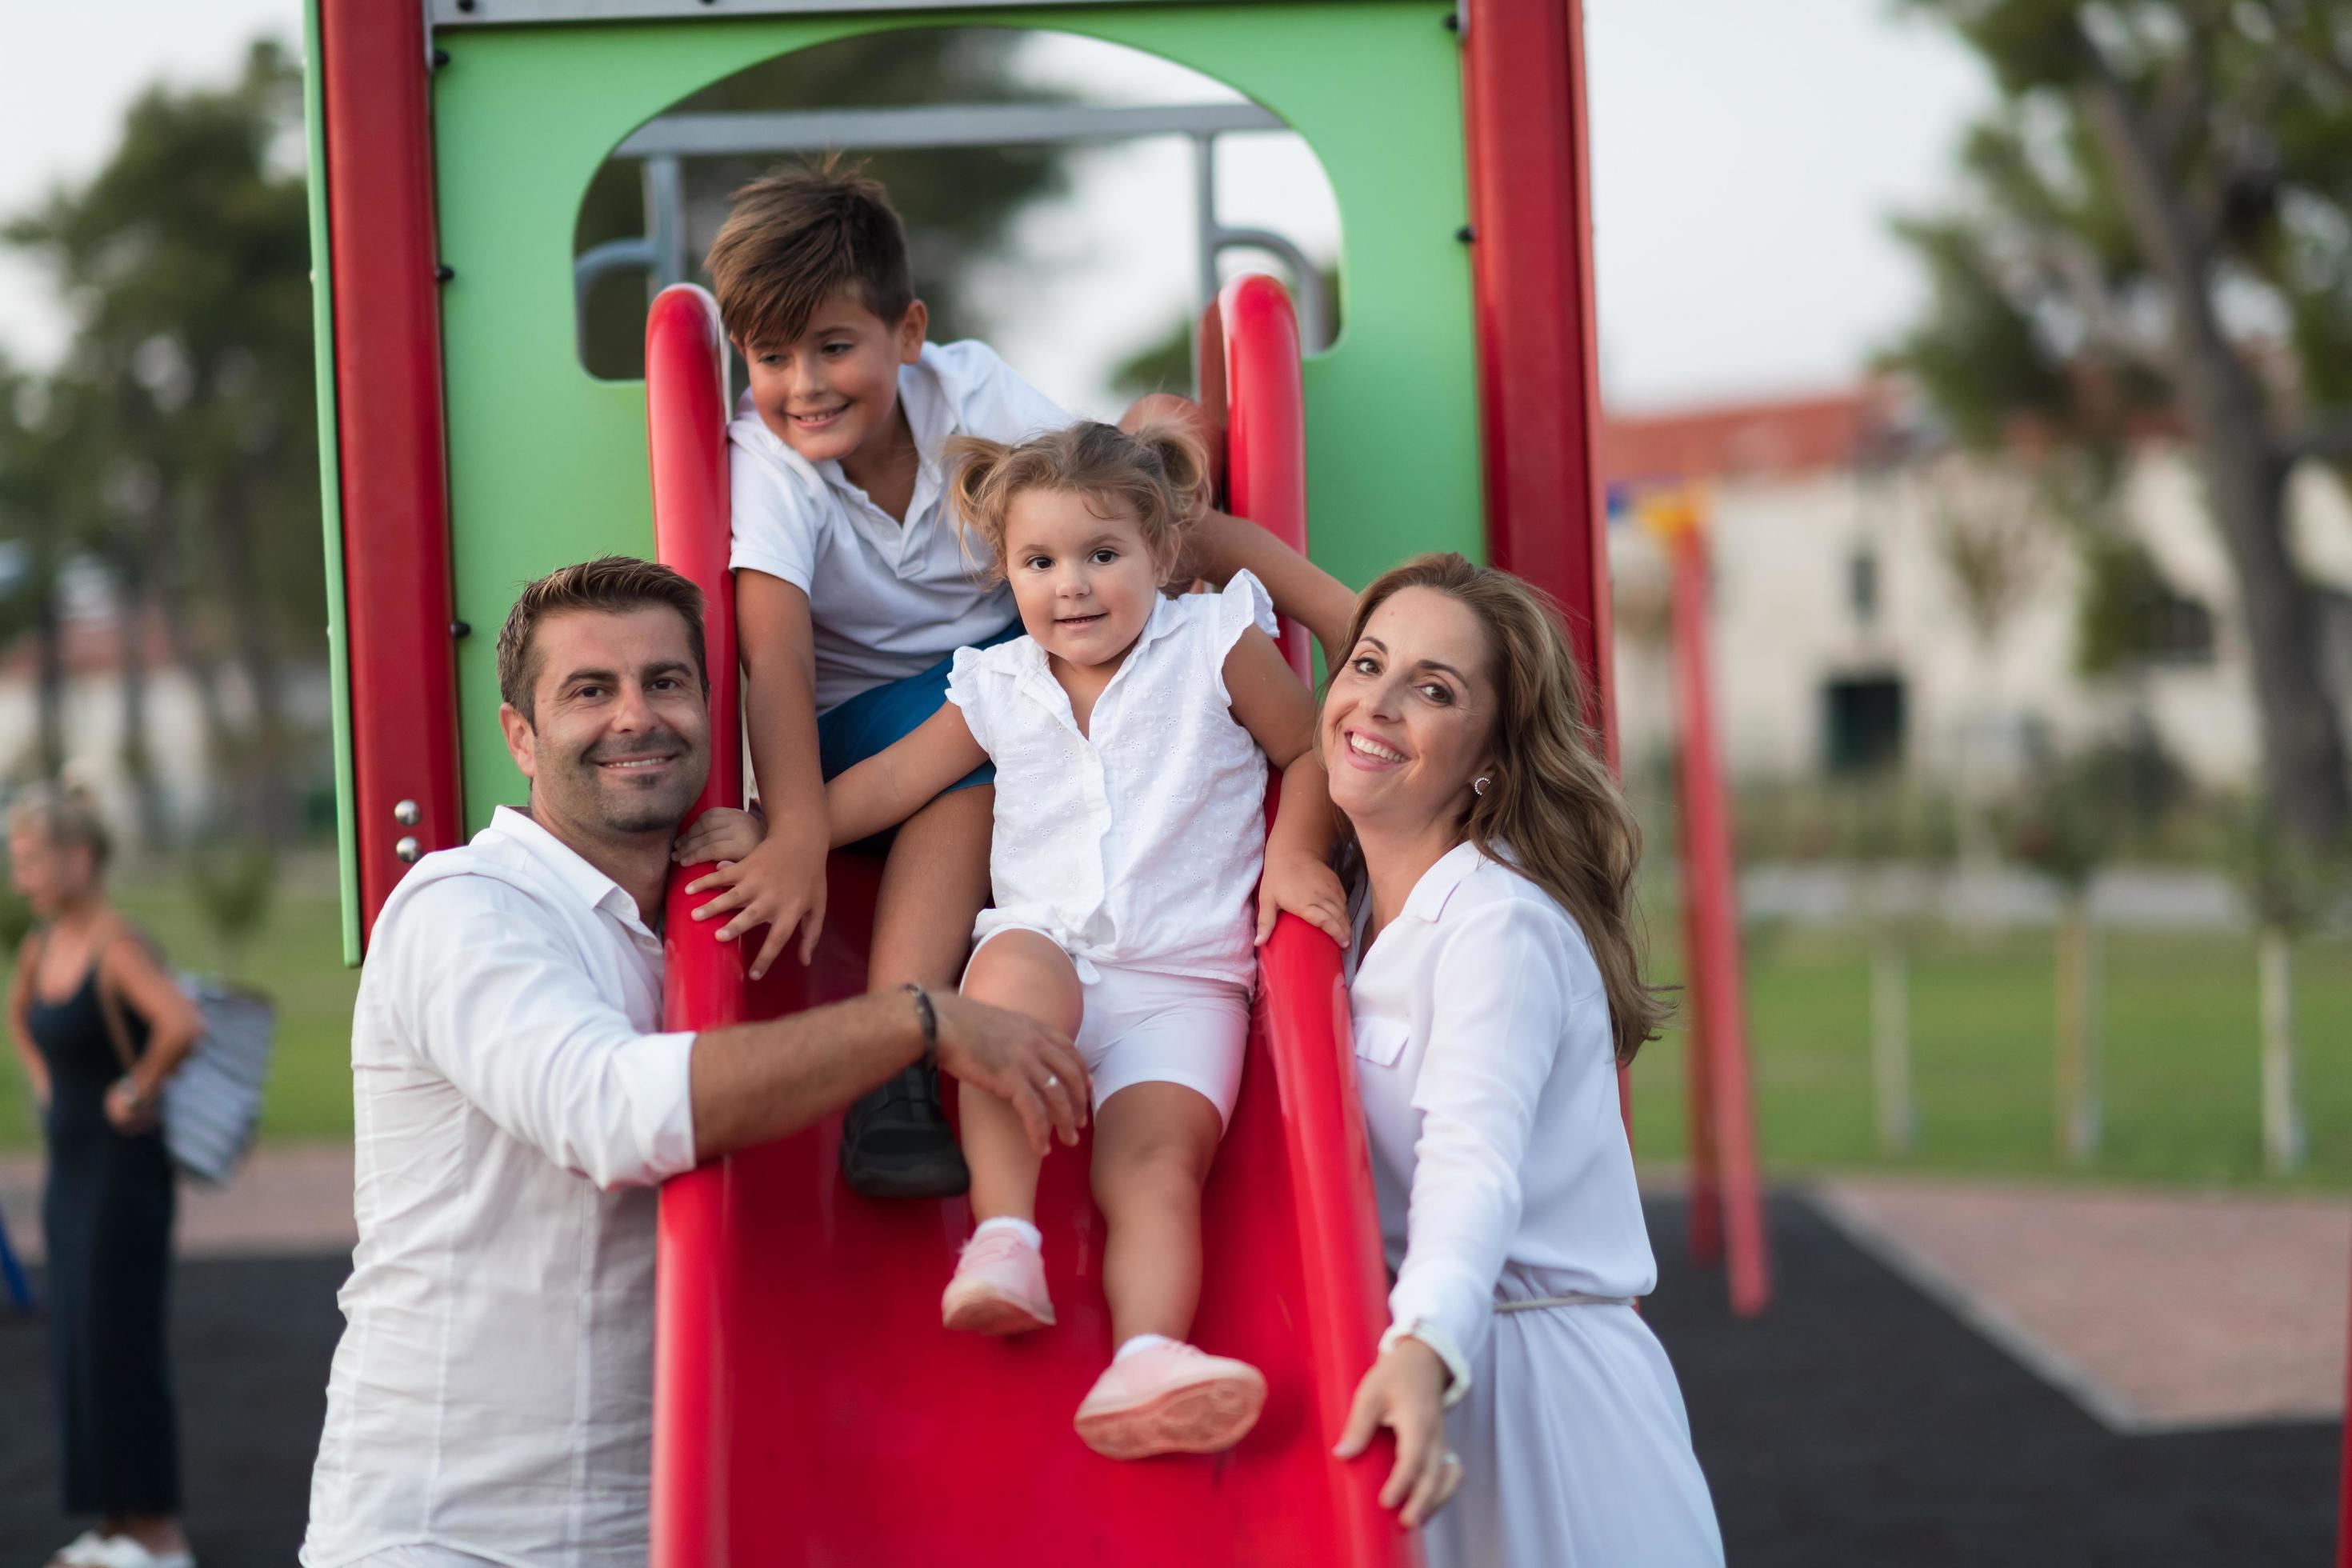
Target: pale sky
[(1746, 155)]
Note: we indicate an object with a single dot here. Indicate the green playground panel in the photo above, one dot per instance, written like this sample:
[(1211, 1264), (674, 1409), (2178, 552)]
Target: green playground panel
[(547, 464)]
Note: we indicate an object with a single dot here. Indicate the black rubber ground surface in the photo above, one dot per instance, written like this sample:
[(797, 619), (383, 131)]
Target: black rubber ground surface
[(1857, 1423)]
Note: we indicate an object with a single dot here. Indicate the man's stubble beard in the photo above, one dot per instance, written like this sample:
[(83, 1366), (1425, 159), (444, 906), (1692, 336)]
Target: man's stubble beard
[(618, 808)]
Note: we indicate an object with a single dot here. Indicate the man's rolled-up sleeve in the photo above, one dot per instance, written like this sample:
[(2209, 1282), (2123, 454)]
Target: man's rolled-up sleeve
[(500, 1006)]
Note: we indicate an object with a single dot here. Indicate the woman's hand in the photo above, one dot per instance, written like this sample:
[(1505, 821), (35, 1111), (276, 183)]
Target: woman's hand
[(1308, 888), (129, 1108), (1405, 1392), (720, 834), (780, 885)]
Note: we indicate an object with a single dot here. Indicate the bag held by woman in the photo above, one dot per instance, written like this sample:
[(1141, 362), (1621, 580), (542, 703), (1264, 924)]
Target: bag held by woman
[(212, 1104)]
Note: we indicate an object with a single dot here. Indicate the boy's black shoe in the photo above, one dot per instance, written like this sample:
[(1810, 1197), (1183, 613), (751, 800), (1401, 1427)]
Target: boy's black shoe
[(897, 1143)]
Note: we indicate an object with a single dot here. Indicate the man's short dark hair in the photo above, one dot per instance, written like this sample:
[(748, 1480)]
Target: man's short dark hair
[(613, 584), (795, 237)]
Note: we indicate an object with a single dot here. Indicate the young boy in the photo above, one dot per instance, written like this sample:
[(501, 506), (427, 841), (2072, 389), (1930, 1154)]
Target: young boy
[(852, 592)]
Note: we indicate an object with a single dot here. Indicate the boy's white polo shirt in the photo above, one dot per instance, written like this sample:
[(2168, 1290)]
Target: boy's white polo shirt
[(888, 601)]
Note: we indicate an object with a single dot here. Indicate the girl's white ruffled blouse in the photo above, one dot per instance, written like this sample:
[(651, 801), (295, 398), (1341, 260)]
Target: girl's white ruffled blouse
[(1138, 843)]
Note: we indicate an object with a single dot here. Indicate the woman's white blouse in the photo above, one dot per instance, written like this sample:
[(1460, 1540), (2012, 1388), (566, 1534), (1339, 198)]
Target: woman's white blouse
[(1489, 1085), (1137, 843)]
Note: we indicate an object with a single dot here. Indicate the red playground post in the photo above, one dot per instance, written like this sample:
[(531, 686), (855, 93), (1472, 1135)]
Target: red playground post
[(1726, 1213)]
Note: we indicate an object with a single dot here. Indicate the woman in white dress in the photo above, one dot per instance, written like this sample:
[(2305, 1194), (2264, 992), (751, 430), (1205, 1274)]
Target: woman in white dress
[(1495, 988)]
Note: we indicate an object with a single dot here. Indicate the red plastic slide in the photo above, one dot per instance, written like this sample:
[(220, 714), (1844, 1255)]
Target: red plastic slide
[(809, 1408)]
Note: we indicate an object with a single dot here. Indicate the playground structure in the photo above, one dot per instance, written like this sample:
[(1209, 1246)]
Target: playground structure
[(465, 450)]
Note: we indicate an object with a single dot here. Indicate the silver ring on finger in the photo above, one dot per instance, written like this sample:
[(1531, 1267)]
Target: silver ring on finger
[(1453, 1461), (1052, 1081)]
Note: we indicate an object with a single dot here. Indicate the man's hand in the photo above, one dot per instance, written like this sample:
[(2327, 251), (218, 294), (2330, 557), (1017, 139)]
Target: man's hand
[(1021, 1061), (1309, 889), (780, 885)]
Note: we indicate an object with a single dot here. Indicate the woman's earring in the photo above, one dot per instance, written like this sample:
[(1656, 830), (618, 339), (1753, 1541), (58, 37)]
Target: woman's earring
[(1480, 787)]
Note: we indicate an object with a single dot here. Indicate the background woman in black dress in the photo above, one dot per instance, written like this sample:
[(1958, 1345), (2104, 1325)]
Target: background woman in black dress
[(106, 1211)]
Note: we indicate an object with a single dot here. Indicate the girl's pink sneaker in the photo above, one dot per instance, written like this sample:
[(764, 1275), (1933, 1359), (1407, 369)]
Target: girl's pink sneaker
[(998, 1287), (1171, 1399)]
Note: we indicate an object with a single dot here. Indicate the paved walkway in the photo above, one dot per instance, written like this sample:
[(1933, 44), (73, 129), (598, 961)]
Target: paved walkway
[(286, 1199), (2156, 1310)]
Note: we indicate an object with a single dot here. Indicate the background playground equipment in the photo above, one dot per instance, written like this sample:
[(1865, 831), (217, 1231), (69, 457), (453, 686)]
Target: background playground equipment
[(1727, 1209), (465, 450)]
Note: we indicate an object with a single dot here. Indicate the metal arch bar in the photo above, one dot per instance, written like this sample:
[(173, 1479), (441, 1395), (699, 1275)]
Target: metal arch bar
[(520, 13), (1315, 317), (933, 126)]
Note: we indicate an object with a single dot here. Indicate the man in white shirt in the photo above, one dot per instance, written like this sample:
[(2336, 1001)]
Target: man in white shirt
[(491, 1400)]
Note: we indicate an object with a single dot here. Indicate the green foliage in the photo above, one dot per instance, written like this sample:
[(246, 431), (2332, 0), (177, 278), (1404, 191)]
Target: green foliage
[(2241, 115), (1873, 817), (2284, 883), (2165, 187), (2094, 806), (177, 443), (2120, 618), (231, 878), (16, 916)]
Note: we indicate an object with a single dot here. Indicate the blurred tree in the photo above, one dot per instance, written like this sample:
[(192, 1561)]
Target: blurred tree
[(958, 202), (2070, 821), (1899, 840), (234, 878), (33, 529), (1991, 531), (2287, 892), (184, 260), (2161, 216)]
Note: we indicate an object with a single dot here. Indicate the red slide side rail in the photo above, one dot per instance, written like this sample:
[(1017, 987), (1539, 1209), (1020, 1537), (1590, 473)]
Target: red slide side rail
[(388, 412), (686, 425), (1304, 1001), (808, 1407)]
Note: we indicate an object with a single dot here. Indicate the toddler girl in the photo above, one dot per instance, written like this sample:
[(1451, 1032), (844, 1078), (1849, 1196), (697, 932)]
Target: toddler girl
[(1132, 734)]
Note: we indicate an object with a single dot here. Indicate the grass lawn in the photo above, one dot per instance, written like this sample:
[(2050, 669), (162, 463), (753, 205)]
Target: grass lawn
[(2180, 1034), (2179, 1031)]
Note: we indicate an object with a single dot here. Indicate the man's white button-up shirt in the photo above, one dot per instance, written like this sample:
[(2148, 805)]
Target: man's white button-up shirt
[(493, 1391)]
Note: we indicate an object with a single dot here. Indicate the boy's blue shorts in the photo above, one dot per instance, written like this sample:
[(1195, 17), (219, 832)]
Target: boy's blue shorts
[(877, 719)]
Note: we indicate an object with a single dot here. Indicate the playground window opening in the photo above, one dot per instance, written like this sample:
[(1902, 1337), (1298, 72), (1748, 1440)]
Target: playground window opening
[(1072, 201)]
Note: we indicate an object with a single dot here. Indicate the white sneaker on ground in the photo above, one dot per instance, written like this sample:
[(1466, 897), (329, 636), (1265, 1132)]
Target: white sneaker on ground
[(125, 1552), (82, 1551)]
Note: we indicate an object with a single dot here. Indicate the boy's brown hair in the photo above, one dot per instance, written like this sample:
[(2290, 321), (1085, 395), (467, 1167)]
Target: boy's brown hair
[(797, 236), (612, 584)]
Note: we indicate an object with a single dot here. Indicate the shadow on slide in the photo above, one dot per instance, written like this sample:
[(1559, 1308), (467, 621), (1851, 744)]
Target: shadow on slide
[(809, 1407)]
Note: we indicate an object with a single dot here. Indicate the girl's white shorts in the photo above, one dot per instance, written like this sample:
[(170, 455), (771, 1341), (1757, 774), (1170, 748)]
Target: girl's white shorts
[(1142, 1027)]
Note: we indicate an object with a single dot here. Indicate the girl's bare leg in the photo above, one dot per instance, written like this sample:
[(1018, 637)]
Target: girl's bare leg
[(1022, 971), (1153, 1145)]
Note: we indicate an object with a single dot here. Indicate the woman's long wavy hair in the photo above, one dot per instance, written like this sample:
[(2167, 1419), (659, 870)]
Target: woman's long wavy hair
[(1553, 810)]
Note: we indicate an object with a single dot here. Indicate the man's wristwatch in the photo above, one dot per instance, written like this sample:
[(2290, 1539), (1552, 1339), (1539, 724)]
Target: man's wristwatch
[(930, 1018)]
